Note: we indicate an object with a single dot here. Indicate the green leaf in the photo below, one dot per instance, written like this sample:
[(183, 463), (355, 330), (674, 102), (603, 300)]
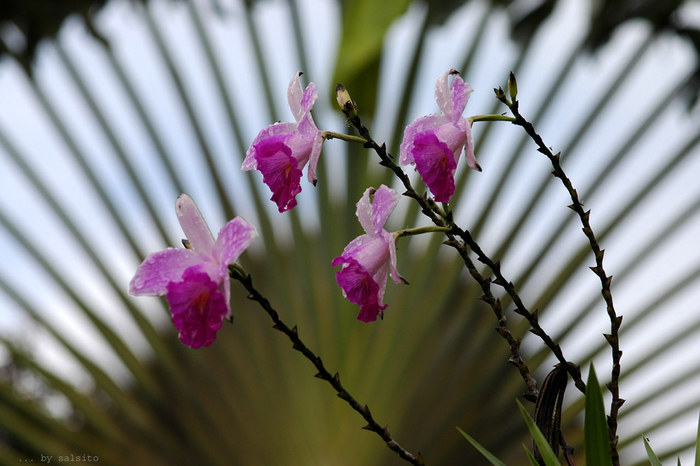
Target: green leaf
[(595, 427), (653, 459), (530, 457), (548, 456), (492, 459), (365, 23)]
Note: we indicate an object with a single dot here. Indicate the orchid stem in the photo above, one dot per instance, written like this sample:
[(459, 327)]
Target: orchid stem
[(598, 253), (491, 117), (421, 230), (345, 137), (238, 273)]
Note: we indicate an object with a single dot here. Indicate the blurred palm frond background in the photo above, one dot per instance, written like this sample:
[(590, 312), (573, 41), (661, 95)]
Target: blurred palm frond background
[(110, 109)]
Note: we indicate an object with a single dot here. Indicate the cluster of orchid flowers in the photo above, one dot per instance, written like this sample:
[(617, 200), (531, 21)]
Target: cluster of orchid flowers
[(195, 280)]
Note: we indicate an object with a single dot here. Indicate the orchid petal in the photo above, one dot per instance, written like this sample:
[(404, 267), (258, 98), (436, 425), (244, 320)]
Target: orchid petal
[(371, 253), (314, 156), (359, 287), (453, 136), (226, 285), (307, 128), (197, 307), (294, 97), (383, 204), (460, 97), (426, 123), (380, 279), (436, 164), (232, 240), (300, 146), (370, 311), (301, 102), (194, 226), (309, 98), (469, 150), (364, 212), (393, 271), (276, 129), (355, 244), (280, 170), (443, 95), (160, 268)]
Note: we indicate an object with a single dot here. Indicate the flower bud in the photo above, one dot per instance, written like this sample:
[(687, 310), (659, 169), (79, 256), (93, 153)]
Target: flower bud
[(500, 95), (345, 102), (512, 86)]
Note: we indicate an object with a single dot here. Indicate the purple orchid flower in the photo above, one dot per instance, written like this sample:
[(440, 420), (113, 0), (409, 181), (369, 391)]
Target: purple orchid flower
[(367, 258), (434, 143), (280, 151), (195, 280)]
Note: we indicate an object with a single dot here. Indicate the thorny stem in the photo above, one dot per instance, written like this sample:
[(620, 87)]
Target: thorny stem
[(237, 273), (462, 241), (605, 280)]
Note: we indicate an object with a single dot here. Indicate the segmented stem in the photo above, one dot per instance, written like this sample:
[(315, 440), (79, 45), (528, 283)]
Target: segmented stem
[(605, 280), (237, 273)]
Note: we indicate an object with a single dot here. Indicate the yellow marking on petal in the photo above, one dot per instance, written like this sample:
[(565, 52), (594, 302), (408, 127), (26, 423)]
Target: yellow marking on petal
[(201, 300)]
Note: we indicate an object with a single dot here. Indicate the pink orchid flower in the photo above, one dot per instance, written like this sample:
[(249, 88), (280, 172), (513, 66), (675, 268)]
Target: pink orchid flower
[(280, 151), (434, 143), (367, 258), (195, 280)]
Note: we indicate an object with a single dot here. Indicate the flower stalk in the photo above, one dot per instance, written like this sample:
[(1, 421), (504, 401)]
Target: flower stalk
[(239, 274), (490, 117), (605, 280), (344, 137), (420, 231)]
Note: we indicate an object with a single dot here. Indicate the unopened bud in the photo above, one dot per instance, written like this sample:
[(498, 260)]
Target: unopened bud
[(500, 95), (512, 86), (344, 101)]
